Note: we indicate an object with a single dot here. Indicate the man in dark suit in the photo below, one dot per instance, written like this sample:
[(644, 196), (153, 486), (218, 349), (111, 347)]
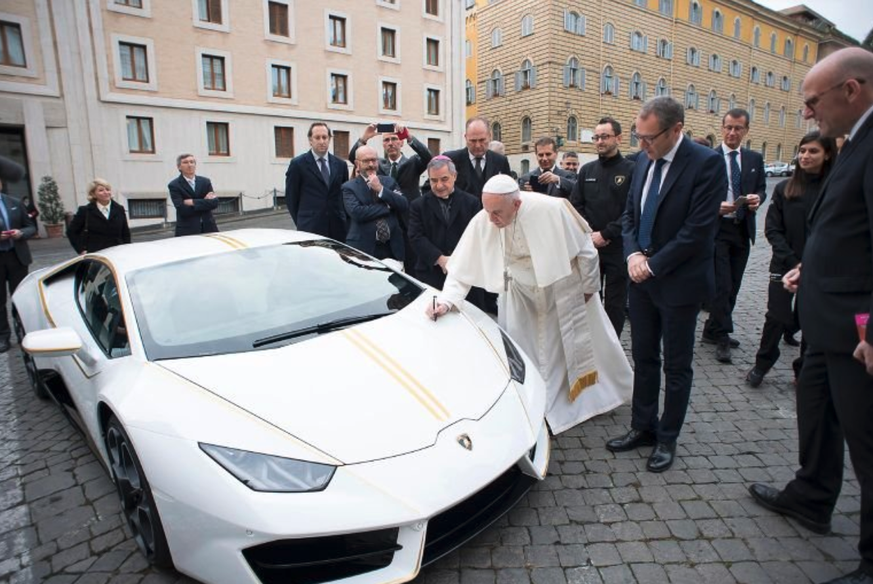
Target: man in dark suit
[(374, 205), (736, 230), (313, 187), (600, 196), (835, 388), (550, 179), (476, 163), (406, 170), (193, 198), (436, 222), (16, 229), (668, 232)]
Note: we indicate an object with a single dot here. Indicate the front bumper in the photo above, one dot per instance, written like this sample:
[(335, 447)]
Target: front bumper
[(377, 522)]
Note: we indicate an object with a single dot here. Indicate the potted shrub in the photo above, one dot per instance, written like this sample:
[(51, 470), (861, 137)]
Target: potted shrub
[(51, 207)]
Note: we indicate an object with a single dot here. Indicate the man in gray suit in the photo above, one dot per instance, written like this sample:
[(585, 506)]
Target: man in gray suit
[(549, 178), (17, 227)]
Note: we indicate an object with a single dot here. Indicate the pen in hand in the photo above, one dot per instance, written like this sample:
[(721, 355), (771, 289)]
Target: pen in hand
[(434, 308)]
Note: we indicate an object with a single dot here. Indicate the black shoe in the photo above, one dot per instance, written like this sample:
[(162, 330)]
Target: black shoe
[(723, 353), (754, 377), (662, 457), (768, 498), (713, 341), (856, 577), (4, 345), (789, 340), (631, 440)]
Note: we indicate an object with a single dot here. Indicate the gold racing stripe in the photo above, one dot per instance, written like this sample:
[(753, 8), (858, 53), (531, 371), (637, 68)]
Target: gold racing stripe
[(232, 242), (397, 367), (369, 349)]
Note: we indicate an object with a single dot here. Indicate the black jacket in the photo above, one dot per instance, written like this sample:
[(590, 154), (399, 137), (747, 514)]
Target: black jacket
[(600, 196), (467, 180), (786, 227), (197, 218), (432, 236), (90, 231)]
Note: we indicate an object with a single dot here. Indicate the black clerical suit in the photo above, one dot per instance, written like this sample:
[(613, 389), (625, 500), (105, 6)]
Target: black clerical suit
[(733, 242), (600, 196), (435, 227), (835, 393)]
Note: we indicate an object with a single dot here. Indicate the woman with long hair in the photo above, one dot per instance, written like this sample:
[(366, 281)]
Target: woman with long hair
[(786, 230), (101, 223)]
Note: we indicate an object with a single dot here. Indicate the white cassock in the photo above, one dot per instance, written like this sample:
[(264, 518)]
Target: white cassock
[(541, 266)]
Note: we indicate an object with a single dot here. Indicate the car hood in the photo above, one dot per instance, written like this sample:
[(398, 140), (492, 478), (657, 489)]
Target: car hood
[(367, 392)]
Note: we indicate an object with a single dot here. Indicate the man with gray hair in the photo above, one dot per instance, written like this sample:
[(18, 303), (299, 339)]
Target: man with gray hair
[(193, 197), (834, 288), (437, 220), (536, 253), (668, 233)]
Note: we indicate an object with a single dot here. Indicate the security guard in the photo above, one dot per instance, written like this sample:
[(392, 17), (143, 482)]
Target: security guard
[(600, 196)]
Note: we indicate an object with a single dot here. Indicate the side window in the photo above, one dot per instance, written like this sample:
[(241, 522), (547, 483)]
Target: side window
[(100, 306)]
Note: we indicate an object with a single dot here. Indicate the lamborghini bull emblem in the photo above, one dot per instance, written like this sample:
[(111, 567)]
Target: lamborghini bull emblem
[(619, 180), (465, 441)]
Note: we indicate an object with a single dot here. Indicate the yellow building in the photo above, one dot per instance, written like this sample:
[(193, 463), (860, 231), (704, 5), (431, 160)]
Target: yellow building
[(555, 67)]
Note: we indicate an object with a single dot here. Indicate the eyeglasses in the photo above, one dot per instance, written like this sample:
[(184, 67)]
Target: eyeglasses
[(648, 139), (602, 137), (811, 102), (737, 129)]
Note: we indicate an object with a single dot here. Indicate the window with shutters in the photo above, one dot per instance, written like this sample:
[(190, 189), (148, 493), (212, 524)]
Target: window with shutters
[(786, 83), (771, 79), (754, 75), (693, 57), (494, 87), (767, 113), (665, 49), (715, 63), (805, 53), (732, 102), (574, 22), (773, 42), (661, 88), (717, 21), (526, 76), (691, 98), (782, 117), (526, 129), (284, 140), (496, 38), (736, 69), (572, 129), (470, 92), (638, 42), (527, 25), (608, 33), (608, 81), (756, 36), (140, 135), (695, 13), (574, 75), (278, 16), (637, 87), (497, 132), (751, 110), (665, 7), (738, 28), (789, 48), (714, 103)]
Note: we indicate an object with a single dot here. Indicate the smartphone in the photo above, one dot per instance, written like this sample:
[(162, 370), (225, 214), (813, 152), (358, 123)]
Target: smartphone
[(536, 185), (741, 200), (385, 128)]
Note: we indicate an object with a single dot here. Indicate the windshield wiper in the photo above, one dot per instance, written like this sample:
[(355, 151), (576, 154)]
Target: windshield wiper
[(318, 329)]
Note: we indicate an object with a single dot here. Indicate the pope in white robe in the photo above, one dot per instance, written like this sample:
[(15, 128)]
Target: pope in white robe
[(536, 253)]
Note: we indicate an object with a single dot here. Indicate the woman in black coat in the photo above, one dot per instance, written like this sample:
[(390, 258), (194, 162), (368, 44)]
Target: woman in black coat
[(786, 230), (101, 223)]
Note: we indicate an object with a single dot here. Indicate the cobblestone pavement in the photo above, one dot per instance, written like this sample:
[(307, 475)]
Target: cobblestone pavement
[(598, 517)]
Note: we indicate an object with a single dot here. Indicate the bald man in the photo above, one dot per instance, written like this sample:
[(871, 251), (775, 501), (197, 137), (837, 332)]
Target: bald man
[(835, 387)]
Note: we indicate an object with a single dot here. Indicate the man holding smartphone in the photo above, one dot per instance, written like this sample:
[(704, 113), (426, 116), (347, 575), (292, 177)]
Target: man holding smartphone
[(548, 179), (747, 187)]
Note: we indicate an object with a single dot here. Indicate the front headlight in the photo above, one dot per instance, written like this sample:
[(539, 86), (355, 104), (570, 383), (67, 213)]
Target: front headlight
[(516, 361), (272, 474)]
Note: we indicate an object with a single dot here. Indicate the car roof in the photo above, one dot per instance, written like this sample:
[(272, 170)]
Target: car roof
[(135, 256)]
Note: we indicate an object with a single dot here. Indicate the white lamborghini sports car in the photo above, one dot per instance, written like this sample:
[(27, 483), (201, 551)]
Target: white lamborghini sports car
[(275, 407)]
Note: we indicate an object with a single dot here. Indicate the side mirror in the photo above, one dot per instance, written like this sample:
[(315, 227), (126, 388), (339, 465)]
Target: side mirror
[(57, 342)]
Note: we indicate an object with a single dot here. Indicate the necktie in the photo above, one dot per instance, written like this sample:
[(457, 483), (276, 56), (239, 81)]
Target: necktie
[(647, 217), (394, 170), (383, 232), (322, 163), (736, 181), (479, 167)]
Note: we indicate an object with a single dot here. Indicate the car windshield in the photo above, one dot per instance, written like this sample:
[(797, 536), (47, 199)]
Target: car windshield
[(261, 298)]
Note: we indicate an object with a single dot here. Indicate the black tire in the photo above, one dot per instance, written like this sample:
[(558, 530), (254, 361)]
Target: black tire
[(36, 382), (135, 495)]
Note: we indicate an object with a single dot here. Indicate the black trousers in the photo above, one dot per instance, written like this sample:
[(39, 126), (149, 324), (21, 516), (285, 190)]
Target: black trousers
[(779, 320), (12, 272), (653, 322), (731, 256), (834, 402), (613, 286)]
